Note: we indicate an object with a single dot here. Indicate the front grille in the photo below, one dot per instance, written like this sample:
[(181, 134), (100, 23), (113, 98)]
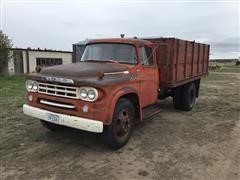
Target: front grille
[(58, 90), (57, 104)]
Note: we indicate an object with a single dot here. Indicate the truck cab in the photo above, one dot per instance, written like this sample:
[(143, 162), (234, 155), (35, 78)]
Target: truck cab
[(106, 92)]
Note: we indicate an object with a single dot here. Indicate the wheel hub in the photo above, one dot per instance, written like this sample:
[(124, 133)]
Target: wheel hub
[(123, 123)]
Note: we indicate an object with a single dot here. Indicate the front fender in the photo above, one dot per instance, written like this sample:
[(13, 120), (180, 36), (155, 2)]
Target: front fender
[(116, 95)]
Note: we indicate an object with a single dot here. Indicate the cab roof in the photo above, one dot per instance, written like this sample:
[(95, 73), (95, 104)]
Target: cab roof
[(133, 41)]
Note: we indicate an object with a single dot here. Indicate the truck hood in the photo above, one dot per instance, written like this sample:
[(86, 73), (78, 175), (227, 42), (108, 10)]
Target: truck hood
[(83, 69), (85, 73)]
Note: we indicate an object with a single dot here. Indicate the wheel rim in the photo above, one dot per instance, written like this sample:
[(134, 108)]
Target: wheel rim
[(123, 123)]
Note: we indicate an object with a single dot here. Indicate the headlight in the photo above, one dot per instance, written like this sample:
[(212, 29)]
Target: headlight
[(31, 85), (88, 93), (83, 93), (91, 94), (35, 86)]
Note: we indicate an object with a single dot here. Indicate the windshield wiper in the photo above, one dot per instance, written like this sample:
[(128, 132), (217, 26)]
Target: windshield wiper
[(109, 60), (90, 60)]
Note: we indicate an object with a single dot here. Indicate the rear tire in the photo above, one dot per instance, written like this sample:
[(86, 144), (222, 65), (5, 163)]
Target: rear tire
[(177, 102), (184, 97), (188, 97), (118, 133), (51, 126)]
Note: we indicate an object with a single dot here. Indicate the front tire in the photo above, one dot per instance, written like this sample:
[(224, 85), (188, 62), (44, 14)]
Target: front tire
[(121, 128)]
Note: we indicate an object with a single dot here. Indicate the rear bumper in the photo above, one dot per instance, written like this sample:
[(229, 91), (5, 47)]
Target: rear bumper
[(65, 120)]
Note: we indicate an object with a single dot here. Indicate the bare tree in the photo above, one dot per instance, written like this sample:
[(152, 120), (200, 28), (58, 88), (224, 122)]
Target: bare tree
[(5, 45)]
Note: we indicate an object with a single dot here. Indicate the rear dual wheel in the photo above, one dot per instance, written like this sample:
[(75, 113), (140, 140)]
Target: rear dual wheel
[(184, 97)]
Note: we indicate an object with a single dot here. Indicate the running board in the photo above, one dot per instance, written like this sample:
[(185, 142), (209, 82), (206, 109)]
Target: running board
[(151, 110)]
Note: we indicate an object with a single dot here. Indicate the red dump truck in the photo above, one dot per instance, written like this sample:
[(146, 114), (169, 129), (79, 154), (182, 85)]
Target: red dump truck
[(116, 84)]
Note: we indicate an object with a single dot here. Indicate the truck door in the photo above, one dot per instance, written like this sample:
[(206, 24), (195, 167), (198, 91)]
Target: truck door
[(148, 74)]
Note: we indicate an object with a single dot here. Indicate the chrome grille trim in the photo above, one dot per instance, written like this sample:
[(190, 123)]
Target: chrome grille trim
[(57, 104), (58, 90)]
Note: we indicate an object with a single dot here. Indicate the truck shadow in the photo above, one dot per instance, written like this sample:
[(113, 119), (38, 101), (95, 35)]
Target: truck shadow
[(74, 138), (77, 138)]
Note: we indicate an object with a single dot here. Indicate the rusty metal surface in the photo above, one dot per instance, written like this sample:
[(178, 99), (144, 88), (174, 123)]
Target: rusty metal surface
[(85, 73), (180, 61), (99, 110)]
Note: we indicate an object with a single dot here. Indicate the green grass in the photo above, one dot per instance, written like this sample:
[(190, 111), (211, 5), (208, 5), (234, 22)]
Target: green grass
[(230, 69), (216, 77), (12, 86), (12, 94), (12, 123), (230, 65)]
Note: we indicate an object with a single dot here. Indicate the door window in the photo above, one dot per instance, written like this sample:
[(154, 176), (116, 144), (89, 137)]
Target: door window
[(146, 56)]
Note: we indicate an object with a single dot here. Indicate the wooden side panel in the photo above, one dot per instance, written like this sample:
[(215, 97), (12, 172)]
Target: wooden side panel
[(163, 61), (201, 58), (187, 60), (165, 51), (180, 61), (174, 60), (195, 59), (206, 60)]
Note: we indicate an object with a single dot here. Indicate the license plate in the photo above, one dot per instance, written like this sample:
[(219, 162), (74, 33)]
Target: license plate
[(53, 118)]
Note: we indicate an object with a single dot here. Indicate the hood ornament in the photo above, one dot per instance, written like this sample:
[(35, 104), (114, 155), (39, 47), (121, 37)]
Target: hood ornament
[(101, 74)]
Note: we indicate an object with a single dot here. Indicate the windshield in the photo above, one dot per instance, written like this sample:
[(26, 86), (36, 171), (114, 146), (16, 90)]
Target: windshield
[(122, 53)]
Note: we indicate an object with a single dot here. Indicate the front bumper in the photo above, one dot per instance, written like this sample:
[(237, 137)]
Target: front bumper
[(65, 120)]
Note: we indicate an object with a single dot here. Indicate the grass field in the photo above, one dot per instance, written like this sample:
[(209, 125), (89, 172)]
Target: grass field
[(229, 69), (201, 144)]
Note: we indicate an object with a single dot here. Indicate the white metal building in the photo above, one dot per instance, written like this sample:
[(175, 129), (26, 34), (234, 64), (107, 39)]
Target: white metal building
[(25, 60)]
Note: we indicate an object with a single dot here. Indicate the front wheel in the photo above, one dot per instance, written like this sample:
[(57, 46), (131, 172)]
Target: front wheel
[(121, 128)]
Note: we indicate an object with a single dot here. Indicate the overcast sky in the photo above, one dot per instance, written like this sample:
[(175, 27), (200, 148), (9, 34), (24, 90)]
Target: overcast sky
[(57, 25)]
